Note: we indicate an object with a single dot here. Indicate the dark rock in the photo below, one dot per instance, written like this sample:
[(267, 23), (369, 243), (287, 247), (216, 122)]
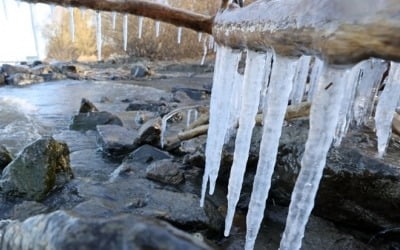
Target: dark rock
[(157, 107), (115, 140), (182, 97), (69, 69), (194, 94), (87, 106), (89, 121), (36, 63), (149, 132), (139, 71), (39, 168), (14, 69), (21, 79), (73, 76), (5, 157), (62, 230), (44, 69), (27, 209), (2, 79), (165, 171)]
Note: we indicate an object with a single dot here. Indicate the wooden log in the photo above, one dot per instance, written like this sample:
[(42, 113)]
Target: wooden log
[(340, 32), (160, 12)]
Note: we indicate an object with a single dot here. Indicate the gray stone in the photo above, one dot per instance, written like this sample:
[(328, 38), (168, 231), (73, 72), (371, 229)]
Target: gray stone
[(14, 69), (165, 171), (5, 157), (39, 168), (157, 107), (21, 79), (139, 71), (63, 230), (89, 121), (87, 106), (27, 209), (115, 140)]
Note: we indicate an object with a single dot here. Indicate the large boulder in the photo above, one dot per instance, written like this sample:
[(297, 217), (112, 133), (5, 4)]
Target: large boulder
[(5, 157), (64, 230), (38, 169), (89, 121), (87, 106)]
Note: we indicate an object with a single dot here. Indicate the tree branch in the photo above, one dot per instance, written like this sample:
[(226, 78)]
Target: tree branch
[(175, 16)]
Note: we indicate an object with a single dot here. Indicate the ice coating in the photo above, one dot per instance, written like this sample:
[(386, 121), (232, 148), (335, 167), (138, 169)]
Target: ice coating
[(226, 64), (254, 78), (280, 86), (323, 121), (386, 107)]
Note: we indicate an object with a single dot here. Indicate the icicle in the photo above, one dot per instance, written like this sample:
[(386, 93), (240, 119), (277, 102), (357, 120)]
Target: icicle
[(283, 73), (188, 117), (226, 63), (254, 78), (323, 121), (140, 29), (196, 115), (314, 76), (386, 107), (199, 36), (99, 39), (303, 66), (371, 75), (205, 50), (5, 9), (158, 28), (34, 30), (52, 8), (179, 38), (114, 20), (71, 23), (264, 90), (125, 31), (210, 42)]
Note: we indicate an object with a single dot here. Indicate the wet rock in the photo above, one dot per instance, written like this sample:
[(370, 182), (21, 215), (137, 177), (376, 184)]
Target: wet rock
[(134, 119), (139, 71), (63, 230), (5, 157), (156, 107), (21, 79), (38, 169), (27, 209), (89, 121), (149, 132), (87, 106), (165, 171), (116, 141), (14, 69)]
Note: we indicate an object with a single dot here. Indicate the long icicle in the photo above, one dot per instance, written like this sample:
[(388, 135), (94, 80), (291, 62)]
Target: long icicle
[(254, 78), (314, 76), (386, 107), (283, 72), (179, 35), (140, 28), (99, 39), (125, 31), (226, 63), (158, 24), (114, 20), (323, 121), (72, 23)]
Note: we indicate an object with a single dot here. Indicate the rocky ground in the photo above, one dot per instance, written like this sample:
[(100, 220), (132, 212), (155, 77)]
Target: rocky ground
[(150, 200)]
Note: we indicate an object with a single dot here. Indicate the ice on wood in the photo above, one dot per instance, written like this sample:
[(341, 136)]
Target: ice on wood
[(34, 29), (314, 76), (140, 27), (179, 35), (125, 31), (386, 107), (254, 78), (226, 64), (280, 86), (99, 39), (323, 121), (300, 79), (72, 23)]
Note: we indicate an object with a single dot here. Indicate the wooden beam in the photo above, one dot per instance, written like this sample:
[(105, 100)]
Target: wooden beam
[(164, 13), (339, 31)]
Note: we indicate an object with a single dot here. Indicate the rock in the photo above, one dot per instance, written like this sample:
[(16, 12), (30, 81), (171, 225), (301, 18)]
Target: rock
[(165, 171), (69, 69), (2, 79), (116, 141), (105, 99), (27, 209), (14, 69), (64, 230), (36, 63), (157, 107), (38, 169), (187, 67), (134, 119), (89, 121), (139, 71), (87, 106), (194, 94), (44, 69), (149, 132), (21, 79), (5, 157)]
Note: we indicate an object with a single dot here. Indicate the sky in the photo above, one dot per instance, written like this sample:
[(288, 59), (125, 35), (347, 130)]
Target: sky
[(16, 35)]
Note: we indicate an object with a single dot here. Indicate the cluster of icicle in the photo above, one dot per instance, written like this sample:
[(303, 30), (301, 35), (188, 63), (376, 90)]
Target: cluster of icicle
[(340, 96)]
